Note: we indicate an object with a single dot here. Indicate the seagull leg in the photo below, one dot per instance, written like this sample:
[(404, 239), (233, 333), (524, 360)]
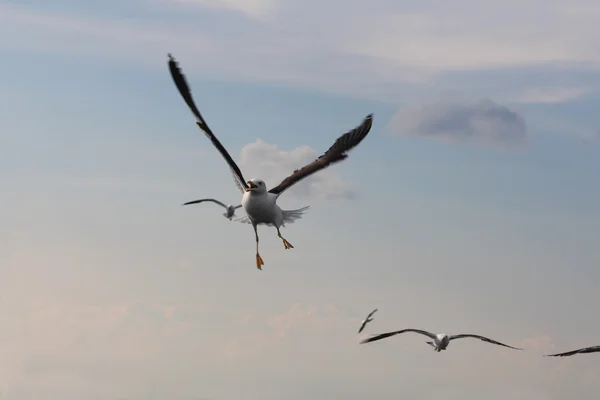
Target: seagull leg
[(259, 260), (286, 244)]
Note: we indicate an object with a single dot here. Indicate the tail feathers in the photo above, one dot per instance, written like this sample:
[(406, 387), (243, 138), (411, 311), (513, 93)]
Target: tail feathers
[(430, 343), (289, 216)]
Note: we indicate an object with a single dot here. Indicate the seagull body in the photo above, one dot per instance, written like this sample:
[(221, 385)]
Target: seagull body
[(261, 208), (229, 209), (260, 204), (439, 341), (366, 321), (593, 349)]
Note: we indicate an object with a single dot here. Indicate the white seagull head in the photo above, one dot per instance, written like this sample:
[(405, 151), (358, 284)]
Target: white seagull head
[(256, 185)]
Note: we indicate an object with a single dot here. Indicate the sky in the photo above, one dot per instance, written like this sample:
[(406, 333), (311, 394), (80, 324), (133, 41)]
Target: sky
[(473, 206)]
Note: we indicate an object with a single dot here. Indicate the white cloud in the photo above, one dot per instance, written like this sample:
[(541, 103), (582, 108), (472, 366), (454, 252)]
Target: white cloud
[(267, 162), (552, 95), (484, 122)]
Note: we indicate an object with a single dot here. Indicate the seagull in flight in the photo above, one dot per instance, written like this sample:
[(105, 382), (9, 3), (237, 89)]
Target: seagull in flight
[(366, 321), (439, 341), (593, 349), (258, 202), (229, 209)]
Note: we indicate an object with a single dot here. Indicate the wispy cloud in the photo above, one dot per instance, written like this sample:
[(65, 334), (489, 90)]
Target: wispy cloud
[(261, 335), (391, 47), (252, 8), (540, 343), (56, 343), (552, 95), (484, 122), (318, 318)]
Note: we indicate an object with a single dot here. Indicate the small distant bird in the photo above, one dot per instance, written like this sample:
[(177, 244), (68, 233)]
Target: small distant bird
[(440, 340), (366, 321), (229, 209), (258, 202), (593, 349)]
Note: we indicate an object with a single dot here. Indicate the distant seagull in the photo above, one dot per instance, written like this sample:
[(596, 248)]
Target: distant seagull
[(593, 349), (366, 321), (440, 341), (229, 209), (260, 204)]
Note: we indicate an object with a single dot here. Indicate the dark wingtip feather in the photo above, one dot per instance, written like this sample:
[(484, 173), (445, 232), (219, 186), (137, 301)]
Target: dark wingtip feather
[(184, 90), (373, 338), (350, 139)]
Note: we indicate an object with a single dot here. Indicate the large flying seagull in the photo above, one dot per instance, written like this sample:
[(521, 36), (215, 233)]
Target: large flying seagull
[(260, 204)]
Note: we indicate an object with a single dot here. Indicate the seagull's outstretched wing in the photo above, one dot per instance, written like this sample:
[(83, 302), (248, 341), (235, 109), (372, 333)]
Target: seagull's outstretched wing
[(336, 153), (388, 334), (467, 335), (201, 200), (236, 207), (186, 93), (592, 349)]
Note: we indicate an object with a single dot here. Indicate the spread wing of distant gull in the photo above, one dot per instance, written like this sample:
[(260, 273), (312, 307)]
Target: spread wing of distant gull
[(229, 209), (439, 341), (258, 203), (366, 321), (593, 349)]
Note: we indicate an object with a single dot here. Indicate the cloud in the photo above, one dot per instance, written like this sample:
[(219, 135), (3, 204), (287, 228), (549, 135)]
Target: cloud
[(590, 139), (246, 318), (301, 320), (267, 162), (286, 321), (552, 95), (316, 318), (541, 343), (484, 122), (391, 47), (252, 8), (74, 350)]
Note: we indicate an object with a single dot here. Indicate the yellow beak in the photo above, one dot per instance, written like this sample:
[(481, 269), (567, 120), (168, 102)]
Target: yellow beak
[(251, 187)]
